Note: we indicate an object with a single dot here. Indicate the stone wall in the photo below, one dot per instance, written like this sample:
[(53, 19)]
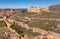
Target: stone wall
[(45, 9)]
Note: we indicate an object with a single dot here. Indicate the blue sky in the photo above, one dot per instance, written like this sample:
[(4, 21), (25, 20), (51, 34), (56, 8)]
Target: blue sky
[(26, 3)]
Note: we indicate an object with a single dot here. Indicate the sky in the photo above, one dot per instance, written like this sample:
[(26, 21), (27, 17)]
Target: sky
[(27, 3)]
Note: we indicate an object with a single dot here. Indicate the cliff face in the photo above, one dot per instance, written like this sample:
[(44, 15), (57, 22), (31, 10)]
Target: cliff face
[(55, 8)]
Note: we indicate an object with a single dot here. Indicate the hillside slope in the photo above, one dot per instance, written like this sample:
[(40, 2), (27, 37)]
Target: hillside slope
[(55, 8)]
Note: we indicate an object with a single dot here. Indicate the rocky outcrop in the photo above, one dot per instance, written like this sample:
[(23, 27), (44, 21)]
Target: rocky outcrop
[(6, 33)]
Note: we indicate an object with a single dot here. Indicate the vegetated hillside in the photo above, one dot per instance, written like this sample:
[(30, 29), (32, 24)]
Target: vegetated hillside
[(46, 20), (55, 8), (2, 24)]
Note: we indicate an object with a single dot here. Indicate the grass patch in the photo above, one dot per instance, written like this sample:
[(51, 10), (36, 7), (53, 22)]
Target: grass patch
[(2, 24)]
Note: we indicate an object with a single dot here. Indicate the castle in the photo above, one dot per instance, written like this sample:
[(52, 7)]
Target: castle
[(37, 10), (34, 9)]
